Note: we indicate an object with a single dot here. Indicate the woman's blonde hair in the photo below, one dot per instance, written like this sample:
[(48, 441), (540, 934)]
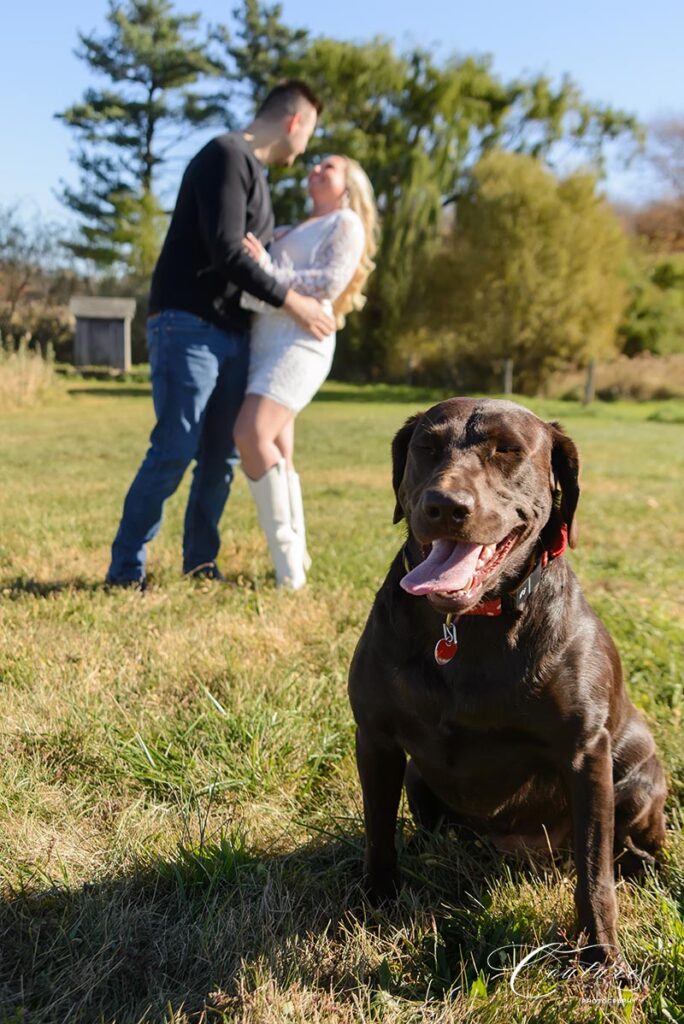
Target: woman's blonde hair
[(361, 199)]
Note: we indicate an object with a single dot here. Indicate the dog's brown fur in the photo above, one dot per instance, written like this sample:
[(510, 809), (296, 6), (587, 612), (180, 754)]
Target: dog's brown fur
[(529, 731)]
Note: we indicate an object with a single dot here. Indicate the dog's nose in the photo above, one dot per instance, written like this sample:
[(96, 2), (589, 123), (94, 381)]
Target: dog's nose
[(447, 506)]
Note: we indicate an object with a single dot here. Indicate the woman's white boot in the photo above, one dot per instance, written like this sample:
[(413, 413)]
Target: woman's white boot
[(272, 499), (297, 513)]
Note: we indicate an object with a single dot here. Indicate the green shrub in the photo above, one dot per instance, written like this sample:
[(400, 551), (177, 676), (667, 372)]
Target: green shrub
[(654, 318), (39, 327)]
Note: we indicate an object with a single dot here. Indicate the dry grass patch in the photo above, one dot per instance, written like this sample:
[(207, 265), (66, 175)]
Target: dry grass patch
[(641, 377), (26, 377)]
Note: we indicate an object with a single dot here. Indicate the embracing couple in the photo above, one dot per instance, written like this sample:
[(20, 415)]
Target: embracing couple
[(240, 337)]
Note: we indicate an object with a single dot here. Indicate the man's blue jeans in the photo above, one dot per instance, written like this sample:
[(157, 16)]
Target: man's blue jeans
[(199, 375)]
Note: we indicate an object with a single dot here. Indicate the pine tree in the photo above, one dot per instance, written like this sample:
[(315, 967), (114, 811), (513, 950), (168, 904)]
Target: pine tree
[(262, 52), (154, 62)]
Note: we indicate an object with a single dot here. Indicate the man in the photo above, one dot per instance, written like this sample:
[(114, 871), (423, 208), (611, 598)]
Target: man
[(198, 336)]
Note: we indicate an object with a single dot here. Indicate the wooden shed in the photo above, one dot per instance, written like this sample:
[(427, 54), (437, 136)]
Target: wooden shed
[(103, 331)]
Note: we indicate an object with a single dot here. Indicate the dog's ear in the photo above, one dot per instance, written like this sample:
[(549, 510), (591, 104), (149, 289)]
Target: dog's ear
[(565, 471), (400, 446)]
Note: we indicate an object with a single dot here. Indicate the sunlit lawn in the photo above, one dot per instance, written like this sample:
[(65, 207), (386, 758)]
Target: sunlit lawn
[(181, 832)]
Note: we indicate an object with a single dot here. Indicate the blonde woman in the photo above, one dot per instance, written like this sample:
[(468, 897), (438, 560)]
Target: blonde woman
[(329, 256)]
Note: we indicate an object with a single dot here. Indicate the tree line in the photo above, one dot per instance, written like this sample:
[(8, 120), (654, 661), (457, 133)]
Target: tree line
[(485, 253)]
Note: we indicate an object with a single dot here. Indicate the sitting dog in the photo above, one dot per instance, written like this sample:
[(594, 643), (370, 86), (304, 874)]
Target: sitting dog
[(482, 662)]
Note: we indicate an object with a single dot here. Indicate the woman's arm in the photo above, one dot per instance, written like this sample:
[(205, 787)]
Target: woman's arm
[(334, 265)]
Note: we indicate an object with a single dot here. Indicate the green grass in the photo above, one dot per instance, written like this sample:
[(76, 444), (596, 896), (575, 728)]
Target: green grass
[(181, 831)]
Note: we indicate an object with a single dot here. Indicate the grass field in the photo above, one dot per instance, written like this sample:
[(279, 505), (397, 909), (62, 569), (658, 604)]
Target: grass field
[(180, 821)]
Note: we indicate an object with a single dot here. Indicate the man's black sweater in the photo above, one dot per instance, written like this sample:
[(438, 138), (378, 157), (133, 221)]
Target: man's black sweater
[(202, 267)]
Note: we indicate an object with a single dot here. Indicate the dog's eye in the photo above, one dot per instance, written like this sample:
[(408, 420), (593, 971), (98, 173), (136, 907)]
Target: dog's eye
[(506, 450), (428, 447)]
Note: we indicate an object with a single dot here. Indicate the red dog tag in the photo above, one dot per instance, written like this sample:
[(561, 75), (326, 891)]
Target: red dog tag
[(446, 648)]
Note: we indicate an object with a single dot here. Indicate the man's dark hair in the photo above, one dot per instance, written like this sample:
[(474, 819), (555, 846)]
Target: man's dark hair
[(287, 98)]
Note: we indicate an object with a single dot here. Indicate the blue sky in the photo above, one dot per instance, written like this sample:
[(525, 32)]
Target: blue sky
[(625, 53)]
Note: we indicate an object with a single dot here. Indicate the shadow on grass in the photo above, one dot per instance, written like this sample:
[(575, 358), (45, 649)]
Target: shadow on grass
[(26, 586), (194, 931), (22, 586), (367, 393), (383, 393), (114, 391), (370, 393)]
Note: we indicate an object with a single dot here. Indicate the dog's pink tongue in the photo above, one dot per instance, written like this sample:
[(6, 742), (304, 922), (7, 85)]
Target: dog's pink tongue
[(449, 566)]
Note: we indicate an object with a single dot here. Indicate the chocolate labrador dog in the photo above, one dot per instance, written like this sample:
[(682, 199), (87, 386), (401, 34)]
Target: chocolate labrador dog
[(482, 662)]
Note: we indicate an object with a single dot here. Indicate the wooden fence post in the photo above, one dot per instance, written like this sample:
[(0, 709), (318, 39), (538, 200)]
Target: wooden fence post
[(590, 383), (508, 377)]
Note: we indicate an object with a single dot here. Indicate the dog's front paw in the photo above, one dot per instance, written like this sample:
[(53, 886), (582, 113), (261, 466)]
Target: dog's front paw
[(382, 886), (605, 963), (596, 954)]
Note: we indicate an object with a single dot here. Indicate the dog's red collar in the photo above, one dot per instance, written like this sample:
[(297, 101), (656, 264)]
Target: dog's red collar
[(513, 601), (516, 599)]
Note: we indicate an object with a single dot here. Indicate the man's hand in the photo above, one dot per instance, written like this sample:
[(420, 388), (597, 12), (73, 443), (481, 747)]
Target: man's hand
[(309, 314)]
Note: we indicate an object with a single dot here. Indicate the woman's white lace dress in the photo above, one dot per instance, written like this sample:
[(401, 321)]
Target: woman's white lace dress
[(318, 257)]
